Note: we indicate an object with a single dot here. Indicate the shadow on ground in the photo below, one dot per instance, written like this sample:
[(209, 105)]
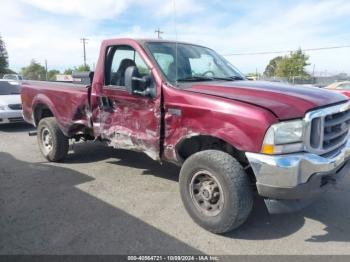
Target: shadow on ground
[(42, 212), (331, 209), (16, 128), (96, 151)]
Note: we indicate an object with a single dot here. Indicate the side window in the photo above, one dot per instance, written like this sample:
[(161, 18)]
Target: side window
[(118, 59)]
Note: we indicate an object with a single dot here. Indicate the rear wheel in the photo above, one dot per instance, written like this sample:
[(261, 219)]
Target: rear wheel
[(52, 142), (215, 191)]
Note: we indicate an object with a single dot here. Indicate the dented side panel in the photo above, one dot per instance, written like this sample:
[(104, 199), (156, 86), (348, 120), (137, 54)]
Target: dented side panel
[(188, 114), (132, 122)]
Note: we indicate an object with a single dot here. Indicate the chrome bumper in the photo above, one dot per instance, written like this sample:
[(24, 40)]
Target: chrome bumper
[(278, 175)]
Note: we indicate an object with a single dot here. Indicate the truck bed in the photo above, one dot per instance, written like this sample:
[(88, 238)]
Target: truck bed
[(66, 101)]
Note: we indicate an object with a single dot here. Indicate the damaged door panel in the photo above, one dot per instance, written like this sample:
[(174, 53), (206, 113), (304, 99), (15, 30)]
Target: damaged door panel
[(127, 120), (131, 122)]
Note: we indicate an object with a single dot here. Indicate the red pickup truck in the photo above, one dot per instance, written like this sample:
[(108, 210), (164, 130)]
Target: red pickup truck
[(186, 104)]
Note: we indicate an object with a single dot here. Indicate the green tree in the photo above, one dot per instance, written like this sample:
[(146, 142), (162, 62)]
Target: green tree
[(293, 65), (82, 68), (68, 71), (270, 69), (35, 71), (51, 75), (3, 58), (289, 66)]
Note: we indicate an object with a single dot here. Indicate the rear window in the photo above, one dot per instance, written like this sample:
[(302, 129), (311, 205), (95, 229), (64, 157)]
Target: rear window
[(9, 88)]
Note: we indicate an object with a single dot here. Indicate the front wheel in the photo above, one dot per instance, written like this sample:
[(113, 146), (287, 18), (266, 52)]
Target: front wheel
[(53, 144), (215, 191)]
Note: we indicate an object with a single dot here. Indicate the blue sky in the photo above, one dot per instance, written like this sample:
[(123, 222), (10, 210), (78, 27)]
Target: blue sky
[(42, 29)]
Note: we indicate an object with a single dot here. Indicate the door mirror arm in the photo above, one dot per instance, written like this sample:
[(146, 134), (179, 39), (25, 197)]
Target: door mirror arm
[(146, 92)]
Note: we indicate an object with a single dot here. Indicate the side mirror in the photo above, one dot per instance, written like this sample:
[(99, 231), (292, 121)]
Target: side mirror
[(135, 83), (84, 78)]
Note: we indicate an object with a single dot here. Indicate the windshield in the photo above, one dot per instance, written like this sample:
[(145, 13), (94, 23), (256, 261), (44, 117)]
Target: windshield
[(9, 88), (193, 63)]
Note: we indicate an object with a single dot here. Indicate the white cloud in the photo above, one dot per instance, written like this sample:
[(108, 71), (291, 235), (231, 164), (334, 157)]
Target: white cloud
[(179, 7), (257, 28), (92, 9), (270, 28), (107, 9)]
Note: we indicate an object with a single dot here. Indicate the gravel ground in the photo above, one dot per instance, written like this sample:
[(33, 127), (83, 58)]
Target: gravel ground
[(105, 201)]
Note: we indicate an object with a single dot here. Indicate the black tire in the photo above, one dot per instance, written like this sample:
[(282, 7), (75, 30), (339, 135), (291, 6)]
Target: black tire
[(59, 143), (234, 182)]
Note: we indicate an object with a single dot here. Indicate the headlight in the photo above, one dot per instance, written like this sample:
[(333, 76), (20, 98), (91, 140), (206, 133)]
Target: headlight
[(3, 107), (284, 137)]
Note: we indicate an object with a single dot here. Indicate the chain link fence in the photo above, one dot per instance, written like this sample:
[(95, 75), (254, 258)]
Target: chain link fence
[(320, 81)]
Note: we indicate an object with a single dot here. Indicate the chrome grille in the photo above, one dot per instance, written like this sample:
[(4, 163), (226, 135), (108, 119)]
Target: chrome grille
[(327, 129), (15, 106)]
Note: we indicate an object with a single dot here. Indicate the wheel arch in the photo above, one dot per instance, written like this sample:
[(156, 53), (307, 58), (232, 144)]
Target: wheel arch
[(192, 144), (40, 111)]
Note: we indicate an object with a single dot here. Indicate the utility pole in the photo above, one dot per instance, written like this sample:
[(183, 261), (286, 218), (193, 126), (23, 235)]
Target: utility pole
[(84, 41), (158, 32)]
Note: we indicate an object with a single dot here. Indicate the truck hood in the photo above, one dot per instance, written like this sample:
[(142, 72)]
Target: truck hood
[(285, 101)]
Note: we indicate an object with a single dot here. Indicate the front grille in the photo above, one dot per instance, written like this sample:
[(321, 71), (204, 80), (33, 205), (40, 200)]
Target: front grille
[(16, 119), (329, 129), (336, 129), (15, 106)]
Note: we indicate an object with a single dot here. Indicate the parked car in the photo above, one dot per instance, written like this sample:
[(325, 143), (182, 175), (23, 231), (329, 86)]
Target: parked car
[(186, 104), (340, 87), (15, 77), (10, 102)]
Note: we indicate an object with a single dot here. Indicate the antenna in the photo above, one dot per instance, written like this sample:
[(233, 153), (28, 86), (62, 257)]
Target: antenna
[(176, 43)]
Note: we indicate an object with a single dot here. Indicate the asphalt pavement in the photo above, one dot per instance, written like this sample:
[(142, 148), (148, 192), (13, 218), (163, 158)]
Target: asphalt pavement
[(106, 201)]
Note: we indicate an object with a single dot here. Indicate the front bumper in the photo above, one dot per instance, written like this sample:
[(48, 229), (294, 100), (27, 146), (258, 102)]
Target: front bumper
[(11, 116), (299, 175)]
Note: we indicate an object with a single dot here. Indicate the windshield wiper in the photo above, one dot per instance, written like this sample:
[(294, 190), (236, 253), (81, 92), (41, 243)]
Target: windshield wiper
[(195, 78), (207, 78), (229, 78)]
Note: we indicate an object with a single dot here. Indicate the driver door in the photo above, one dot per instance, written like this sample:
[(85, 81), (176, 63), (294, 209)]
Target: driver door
[(128, 121)]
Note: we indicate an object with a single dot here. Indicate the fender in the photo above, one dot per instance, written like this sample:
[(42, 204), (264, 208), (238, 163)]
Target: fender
[(189, 114)]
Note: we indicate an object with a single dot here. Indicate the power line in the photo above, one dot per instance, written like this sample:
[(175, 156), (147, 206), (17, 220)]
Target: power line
[(288, 51)]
